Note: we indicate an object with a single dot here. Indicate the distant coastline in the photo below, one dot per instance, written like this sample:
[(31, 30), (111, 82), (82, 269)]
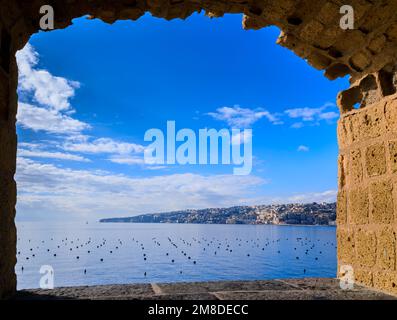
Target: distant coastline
[(309, 214)]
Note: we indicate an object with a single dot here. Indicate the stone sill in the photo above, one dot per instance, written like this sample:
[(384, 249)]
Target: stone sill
[(284, 289)]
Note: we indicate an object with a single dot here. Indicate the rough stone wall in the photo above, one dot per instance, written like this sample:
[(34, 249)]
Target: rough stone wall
[(367, 181), (310, 28), (8, 144)]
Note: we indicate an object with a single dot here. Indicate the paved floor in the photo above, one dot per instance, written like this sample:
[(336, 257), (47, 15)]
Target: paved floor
[(289, 289)]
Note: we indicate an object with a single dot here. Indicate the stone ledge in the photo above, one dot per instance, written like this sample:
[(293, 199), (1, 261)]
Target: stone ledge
[(286, 289)]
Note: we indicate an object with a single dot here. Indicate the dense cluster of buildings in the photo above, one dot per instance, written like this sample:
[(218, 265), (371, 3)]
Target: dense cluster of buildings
[(300, 214)]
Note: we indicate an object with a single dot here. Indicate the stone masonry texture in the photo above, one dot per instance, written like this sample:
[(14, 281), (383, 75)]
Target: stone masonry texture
[(367, 129)]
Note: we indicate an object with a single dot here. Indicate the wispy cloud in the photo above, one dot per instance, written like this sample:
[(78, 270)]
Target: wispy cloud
[(103, 145), (297, 125), (131, 160), (49, 111), (50, 155), (303, 148), (47, 89), (304, 116), (67, 193), (49, 108), (325, 196), (242, 117), (304, 197), (42, 119)]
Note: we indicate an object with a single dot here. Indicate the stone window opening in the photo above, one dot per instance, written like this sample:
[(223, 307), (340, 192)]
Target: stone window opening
[(317, 37)]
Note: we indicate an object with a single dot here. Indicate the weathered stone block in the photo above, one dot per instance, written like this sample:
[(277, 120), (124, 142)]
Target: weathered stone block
[(319, 61), (391, 116), (356, 167), (337, 70), (363, 277), (360, 61), (393, 155), (291, 42), (392, 32), (377, 44), (372, 122), (344, 138), (346, 250), (311, 30), (382, 13), (365, 247), (386, 249), (385, 281), (328, 36), (358, 206), (375, 160), (341, 208), (361, 7), (350, 41), (342, 171), (328, 13), (382, 202), (355, 127)]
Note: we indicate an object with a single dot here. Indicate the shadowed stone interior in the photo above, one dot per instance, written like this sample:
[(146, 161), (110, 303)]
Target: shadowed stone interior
[(367, 130)]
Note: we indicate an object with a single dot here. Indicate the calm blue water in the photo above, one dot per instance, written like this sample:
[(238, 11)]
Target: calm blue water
[(243, 252)]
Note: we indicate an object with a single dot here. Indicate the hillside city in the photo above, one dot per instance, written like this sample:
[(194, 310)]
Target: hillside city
[(277, 214)]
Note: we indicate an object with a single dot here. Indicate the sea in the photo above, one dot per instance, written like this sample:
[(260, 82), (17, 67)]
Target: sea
[(93, 253)]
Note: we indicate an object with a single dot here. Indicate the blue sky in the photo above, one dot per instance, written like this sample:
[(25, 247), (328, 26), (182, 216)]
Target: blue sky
[(88, 94)]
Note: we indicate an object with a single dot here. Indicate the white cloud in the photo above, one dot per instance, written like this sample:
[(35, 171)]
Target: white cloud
[(127, 160), (297, 125), (152, 167), (48, 90), (242, 117), (41, 119), (326, 196), (103, 145), (50, 112), (134, 160), (328, 115), (306, 114), (307, 197), (303, 148), (311, 115), (29, 145), (50, 155), (48, 191), (49, 109)]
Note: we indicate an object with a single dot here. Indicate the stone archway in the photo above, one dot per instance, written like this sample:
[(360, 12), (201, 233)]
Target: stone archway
[(367, 218)]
